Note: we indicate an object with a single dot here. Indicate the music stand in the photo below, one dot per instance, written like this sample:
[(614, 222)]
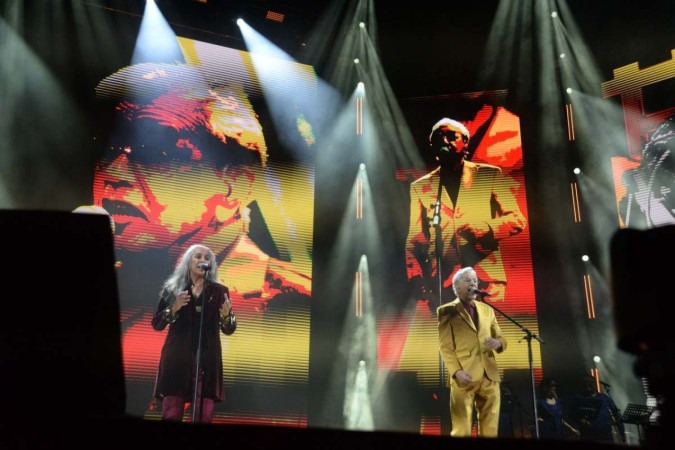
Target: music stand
[(637, 415), (586, 407)]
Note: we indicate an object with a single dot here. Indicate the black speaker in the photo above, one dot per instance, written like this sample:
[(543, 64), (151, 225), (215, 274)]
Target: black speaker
[(641, 270), (60, 346)]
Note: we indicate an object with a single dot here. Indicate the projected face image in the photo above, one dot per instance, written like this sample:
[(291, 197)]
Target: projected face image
[(185, 163), (161, 192), (650, 187), (448, 144), (178, 170), (660, 159)]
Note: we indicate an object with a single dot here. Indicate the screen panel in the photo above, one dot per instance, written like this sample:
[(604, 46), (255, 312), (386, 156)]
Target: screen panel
[(643, 170), (408, 337), (191, 155)]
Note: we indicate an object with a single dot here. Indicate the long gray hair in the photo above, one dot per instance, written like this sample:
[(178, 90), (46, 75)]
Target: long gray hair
[(180, 278)]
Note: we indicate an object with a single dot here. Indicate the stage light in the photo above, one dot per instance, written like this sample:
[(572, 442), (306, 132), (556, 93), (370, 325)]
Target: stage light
[(362, 166), (568, 90), (360, 88), (240, 22), (362, 25), (356, 60), (585, 258), (596, 359), (554, 14), (577, 171), (562, 55)]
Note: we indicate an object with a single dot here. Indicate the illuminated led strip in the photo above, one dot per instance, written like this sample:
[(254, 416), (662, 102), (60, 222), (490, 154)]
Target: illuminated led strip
[(575, 202), (595, 373), (359, 115), (570, 122), (590, 304)]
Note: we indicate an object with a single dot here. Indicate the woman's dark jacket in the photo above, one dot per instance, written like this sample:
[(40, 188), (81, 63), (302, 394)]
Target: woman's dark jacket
[(178, 359)]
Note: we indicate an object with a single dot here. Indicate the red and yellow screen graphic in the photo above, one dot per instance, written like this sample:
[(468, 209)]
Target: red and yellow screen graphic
[(408, 340), (190, 157)]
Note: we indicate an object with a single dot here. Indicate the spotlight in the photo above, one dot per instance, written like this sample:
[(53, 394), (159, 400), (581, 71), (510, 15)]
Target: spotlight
[(362, 363), (562, 55), (360, 87), (585, 258), (596, 359), (362, 25), (577, 171), (240, 22), (356, 60), (554, 14), (362, 166), (568, 90)]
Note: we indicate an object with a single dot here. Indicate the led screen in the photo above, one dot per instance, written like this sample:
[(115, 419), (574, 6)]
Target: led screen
[(190, 155)]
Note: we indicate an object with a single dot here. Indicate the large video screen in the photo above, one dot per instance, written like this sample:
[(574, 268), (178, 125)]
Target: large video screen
[(190, 153), (483, 224)]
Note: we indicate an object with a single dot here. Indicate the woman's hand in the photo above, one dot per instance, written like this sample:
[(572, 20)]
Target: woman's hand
[(182, 299), (227, 305)]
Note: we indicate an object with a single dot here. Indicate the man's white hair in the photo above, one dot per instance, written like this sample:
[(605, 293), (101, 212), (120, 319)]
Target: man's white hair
[(453, 125)]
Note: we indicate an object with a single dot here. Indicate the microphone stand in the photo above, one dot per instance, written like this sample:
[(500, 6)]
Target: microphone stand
[(529, 336), (439, 241), (436, 222), (198, 357), (612, 416)]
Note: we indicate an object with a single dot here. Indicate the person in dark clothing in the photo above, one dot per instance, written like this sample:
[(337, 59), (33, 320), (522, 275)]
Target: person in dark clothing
[(196, 308), (552, 424), (597, 416)]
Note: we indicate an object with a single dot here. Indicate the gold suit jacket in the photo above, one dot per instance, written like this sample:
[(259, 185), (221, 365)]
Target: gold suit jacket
[(485, 197), (462, 346)]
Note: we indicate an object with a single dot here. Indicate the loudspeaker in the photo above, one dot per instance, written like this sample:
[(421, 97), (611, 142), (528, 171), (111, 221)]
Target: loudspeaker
[(641, 268), (60, 342)]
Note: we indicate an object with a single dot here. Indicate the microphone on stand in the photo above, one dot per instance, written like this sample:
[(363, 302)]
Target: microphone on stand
[(437, 212), (204, 266), (477, 291)]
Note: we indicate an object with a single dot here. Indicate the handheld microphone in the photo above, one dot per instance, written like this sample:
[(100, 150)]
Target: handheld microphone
[(204, 266), (476, 291)]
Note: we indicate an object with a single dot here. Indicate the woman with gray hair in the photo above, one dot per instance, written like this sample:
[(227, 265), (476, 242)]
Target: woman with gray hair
[(196, 308)]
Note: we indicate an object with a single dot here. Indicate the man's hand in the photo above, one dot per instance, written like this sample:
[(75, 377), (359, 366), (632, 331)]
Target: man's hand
[(492, 343), (463, 378)]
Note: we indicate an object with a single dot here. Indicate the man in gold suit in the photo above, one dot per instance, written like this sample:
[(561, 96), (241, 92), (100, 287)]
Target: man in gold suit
[(469, 336)]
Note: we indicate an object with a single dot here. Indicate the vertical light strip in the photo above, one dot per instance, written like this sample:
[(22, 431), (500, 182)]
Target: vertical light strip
[(575, 202), (358, 294), (570, 122), (359, 198), (595, 373), (590, 303), (359, 115)]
